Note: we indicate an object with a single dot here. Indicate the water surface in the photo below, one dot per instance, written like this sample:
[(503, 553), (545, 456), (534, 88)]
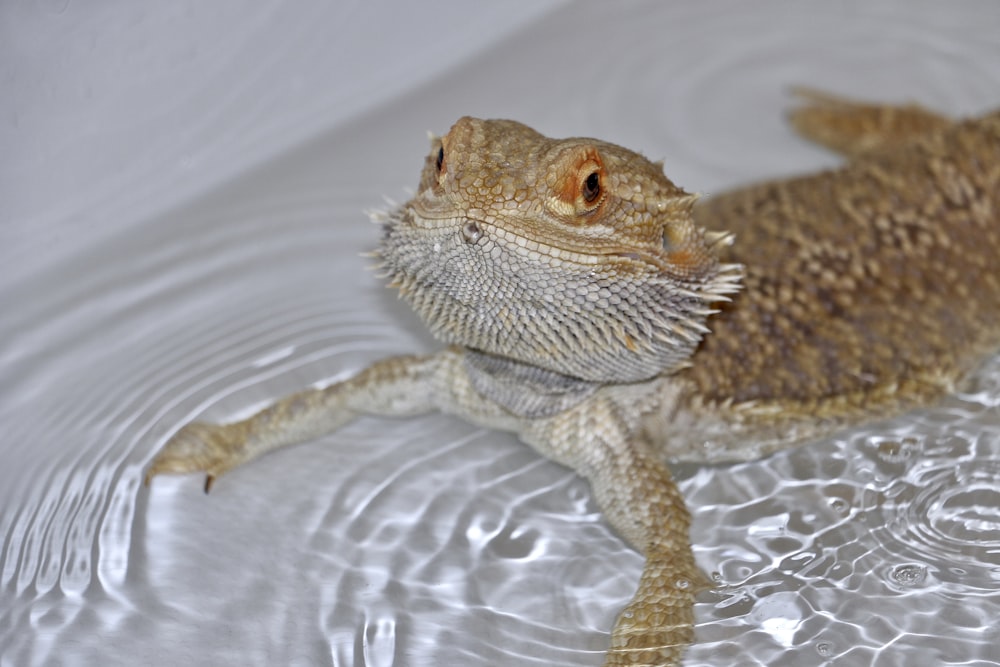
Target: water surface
[(428, 541)]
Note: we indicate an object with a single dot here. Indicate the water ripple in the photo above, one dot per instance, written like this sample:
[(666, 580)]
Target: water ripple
[(945, 517), (428, 541)]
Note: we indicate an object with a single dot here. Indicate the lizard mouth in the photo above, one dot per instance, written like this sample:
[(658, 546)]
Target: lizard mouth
[(567, 248), (627, 261), (693, 265)]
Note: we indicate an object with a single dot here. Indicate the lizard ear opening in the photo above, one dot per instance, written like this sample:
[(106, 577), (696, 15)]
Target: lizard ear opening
[(441, 158), (434, 165)]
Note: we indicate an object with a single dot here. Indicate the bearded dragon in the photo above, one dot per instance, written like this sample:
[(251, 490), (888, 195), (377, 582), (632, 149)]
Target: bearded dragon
[(576, 287)]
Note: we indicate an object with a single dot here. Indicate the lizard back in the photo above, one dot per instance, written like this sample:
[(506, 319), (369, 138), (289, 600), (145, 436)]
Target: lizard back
[(882, 271), (866, 288)]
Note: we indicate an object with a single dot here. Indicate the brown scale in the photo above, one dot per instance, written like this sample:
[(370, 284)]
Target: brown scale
[(877, 275)]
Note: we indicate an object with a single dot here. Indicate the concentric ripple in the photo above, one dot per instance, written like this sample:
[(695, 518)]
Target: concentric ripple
[(943, 516)]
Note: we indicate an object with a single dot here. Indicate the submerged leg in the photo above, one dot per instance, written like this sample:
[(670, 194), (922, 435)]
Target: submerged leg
[(398, 386), (638, 496), (852, 128), (656, 627)]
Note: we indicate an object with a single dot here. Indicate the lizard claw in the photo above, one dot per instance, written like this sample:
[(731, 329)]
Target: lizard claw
[(198, 447)]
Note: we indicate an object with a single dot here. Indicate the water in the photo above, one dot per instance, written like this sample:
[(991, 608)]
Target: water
[(872, 548), (428, 541)]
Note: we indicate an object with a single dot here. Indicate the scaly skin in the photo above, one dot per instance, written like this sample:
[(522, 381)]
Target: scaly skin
[(574, 284)]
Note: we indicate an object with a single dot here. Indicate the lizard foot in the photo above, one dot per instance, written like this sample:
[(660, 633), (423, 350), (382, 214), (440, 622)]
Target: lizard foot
[(650, 634), (200, 447)]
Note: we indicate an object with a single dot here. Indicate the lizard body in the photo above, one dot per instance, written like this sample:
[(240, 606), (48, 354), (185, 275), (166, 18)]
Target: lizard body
[(575, 285), (867, 289)]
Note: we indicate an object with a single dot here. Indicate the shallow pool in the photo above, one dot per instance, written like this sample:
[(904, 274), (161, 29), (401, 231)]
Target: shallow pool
[(150, 277)]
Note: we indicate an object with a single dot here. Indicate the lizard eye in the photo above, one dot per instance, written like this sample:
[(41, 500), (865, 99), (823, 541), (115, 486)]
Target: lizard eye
[(582, 185), (591, 188), (439, 162)]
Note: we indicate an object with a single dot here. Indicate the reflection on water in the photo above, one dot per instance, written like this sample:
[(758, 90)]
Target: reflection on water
[(427, 541), (886, 536)]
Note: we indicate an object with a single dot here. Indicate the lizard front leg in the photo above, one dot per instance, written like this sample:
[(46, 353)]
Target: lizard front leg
[(398, 386), (638, 496), (598, 438)]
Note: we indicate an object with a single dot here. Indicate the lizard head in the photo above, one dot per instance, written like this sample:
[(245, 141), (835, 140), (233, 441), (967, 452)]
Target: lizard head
[(573, 255)]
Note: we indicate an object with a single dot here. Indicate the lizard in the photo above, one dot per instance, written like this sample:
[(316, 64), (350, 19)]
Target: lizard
[(617, 323)]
